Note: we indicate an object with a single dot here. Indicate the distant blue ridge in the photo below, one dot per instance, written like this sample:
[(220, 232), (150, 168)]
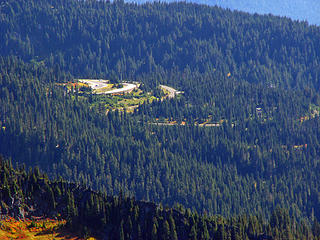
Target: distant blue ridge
[(303, 10)]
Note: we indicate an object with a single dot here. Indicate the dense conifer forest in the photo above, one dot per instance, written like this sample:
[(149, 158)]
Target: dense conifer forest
[(254, 78)]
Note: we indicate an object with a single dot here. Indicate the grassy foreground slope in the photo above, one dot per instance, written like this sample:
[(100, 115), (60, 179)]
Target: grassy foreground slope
[(39, 229)]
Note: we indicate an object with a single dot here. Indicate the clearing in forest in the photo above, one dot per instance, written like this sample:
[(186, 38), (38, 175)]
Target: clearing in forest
[(120, 96)]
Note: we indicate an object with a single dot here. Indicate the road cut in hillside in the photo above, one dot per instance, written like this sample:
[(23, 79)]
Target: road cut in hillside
[(172, 92)]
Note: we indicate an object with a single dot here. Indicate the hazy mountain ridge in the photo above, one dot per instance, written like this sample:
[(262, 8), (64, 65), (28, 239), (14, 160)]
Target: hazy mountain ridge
[(303, 10)]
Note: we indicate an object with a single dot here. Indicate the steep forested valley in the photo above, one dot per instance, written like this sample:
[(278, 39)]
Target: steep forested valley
[(234, 155), (90, 213)]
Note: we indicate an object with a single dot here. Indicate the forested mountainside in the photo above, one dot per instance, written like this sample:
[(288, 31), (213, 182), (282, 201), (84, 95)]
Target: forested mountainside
[(253, 80), (100, 39), (303, 10), (30, 193)]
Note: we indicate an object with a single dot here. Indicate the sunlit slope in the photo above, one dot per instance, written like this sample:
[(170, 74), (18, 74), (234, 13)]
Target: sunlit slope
[(40, 229)]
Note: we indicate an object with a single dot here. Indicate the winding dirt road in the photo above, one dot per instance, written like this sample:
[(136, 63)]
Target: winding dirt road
[(127, 87), (98, 84)]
